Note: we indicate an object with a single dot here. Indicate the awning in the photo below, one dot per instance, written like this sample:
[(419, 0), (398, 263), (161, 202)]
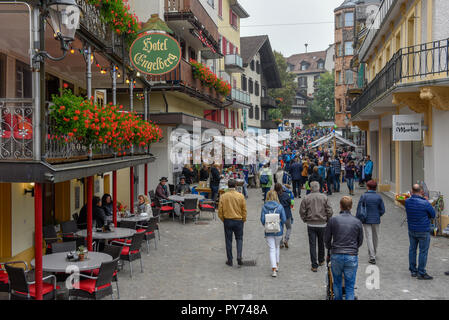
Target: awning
[(325, 139)]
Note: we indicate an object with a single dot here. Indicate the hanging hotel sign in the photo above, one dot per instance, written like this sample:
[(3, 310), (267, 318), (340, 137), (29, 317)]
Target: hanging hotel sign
[(155, 54), (407, 127)]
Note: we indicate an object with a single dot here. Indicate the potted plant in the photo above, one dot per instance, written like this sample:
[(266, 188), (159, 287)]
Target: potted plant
[(82, 253)]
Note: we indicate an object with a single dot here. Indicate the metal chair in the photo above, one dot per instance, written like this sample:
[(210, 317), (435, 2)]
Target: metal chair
[(208, 206), (148, 232), (155, 220), (4, 279), (128, 224), (22, 289), (69, 228), (165, 207), (96, 287), (131, 251), (63, 246), (190, 208), (50, 237)]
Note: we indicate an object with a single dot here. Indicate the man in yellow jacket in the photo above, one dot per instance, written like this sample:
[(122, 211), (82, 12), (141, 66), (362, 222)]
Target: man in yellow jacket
[(232, 211)]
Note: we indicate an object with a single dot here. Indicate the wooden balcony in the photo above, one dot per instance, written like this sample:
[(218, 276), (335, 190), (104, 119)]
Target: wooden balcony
[(181, 79), (193, 12)]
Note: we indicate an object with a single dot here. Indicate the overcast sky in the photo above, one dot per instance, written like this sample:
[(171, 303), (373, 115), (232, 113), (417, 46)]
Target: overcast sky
[(290, 39)]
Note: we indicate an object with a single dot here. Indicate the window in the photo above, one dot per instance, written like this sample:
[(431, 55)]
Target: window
[(338, 78), (2, 76), (349, 77), (349, 50), (349, 19), (211, 3), (257, 89), (338, 22), (302, 81), (244, 83), (315, 80), (338, 49), (250, 85), (257, 115), (264, 92), (220, 8), (23, 80), (304, 66), (320, 65), (233, 19), (251, 112), (252, 65), (258, 67)]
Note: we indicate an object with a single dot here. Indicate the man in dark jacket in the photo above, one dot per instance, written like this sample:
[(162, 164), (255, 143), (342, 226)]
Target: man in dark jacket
[(98, 214), (316, 177), (375, 209), (316, 211), (286, 201), (343, 237), (419, 212), (295, 172), (214, 181)]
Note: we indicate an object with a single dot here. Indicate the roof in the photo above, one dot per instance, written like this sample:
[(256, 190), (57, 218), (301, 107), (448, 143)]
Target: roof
[(347, 4), (312, 58), (250, 46)]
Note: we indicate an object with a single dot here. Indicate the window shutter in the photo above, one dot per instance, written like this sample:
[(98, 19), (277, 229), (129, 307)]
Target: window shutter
[(230, 17), (236, 50), (225, 46), (220, 8), (231, 48), (226, 118)]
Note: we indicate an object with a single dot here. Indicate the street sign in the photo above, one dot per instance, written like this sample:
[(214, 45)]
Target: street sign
[(326, 124), (407, 127), (155, 54)]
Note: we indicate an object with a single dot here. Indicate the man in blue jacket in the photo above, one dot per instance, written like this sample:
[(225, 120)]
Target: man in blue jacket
[(368, 169), (295, 172), (419, 212), (375, 208)]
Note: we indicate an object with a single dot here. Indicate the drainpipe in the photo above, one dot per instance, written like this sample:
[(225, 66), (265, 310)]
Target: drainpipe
[(114, 197), (114, 84), (38, 239)]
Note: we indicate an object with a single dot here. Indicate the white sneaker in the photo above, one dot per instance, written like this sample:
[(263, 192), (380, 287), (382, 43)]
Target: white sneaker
[(277, 269), (274, 274)]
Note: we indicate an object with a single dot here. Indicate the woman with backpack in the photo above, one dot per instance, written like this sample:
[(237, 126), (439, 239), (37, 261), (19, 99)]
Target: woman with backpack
[(274, 228), (369, 210)]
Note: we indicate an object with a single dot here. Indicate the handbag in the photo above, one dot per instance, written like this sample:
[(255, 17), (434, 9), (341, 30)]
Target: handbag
[(272, 222)]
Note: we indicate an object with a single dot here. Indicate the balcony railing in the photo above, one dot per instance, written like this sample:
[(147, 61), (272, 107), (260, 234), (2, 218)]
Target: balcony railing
[(268, 102), (409, 65), (240, 96), (183, 76), (233, 63), (382, 14), (175, 8), (16, 129)]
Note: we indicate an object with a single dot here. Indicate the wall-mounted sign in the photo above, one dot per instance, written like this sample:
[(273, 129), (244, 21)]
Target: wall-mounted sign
[(407, 127), (155, 54)]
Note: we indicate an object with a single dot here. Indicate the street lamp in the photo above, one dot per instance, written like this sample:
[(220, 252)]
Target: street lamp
[(64, 17)]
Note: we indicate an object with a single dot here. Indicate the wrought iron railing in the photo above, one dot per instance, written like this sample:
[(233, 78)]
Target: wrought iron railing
[(16, 129), (412, 65), (381, 15)]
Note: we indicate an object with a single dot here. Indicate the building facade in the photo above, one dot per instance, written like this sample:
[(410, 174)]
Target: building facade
[(260, 75), (406, 74)]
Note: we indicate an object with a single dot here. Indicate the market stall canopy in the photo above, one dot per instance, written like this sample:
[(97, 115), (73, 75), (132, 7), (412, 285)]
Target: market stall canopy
[(330, 136)]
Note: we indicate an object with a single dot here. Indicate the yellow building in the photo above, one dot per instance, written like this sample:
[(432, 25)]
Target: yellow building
[(405, 57)]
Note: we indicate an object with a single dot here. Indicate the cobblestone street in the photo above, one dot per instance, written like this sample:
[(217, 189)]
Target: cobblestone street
[(190, 263)]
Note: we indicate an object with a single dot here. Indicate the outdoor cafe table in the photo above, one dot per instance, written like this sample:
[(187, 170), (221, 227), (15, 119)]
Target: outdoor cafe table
[(134, 218), (118, 233), (57, 262), (177, 198)]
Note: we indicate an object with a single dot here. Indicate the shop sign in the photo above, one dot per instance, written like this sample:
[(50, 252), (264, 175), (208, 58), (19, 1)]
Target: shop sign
[(407, 127), (326, 124), (155, 54)]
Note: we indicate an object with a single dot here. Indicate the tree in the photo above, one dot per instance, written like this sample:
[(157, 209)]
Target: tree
[(275, 114), (322, 107), (285, 95)]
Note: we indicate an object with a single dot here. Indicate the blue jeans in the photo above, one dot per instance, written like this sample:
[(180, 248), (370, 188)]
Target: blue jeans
[(421, 239), (233, 227), (214, 190), (344, 264), (350, 183), (337, 183), (265, 191)]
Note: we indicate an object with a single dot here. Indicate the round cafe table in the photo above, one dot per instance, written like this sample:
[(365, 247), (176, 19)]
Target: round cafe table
[(134, 218), (109, 235), (57, 262), (177, 198)]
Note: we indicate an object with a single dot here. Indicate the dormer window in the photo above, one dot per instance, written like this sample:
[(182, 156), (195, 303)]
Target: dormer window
[(304, 66), (321, 64)]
